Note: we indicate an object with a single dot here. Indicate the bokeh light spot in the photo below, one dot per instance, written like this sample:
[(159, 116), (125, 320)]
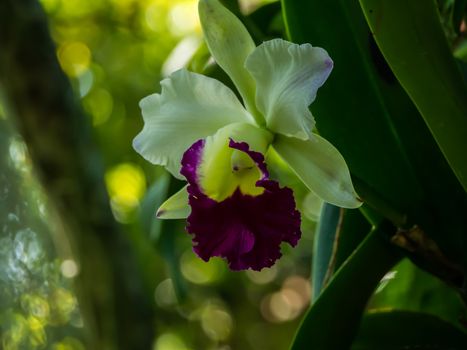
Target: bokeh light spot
[(301, 286), (170, 341), (264, 276), (16, 331), (36, 306), (216, 323), (288, 303), (62, 303), (200, 272), (37, 336), (68, 343), (126, 184), (74, 58), (99, 104), (86, 81), (69, 268), (165, 294), (183, 18)]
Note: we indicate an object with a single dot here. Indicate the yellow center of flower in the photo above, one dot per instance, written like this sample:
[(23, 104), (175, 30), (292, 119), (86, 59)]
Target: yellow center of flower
[(223, 169)]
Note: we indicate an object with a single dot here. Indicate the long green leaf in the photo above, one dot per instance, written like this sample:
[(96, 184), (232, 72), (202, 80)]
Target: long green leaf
[(332, 321), (364, 112), (411, 38), (350, 109), (338, 234), (323, 247), (395, 330), (355, 228)]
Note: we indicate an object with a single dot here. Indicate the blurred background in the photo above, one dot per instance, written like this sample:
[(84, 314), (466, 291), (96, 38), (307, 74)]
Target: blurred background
[(115, 52)]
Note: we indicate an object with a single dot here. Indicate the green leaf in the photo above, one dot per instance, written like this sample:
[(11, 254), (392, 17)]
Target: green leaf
[(397, 330), (406, 287), (268, 21), (338, 234), (323, 246), (355, 120), (332, 321), (378, 130), (355, 228), (416, 48)]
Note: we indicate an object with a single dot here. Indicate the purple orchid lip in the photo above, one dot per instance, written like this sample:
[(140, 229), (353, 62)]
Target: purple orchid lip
[(246, 230)]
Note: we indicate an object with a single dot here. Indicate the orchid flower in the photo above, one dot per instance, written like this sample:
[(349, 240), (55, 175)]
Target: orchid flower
[(199, 131)]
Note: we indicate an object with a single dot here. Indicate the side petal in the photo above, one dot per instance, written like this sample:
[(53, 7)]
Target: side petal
[(190, 107), (175, 207), (287, 77), (321, 168), (230, 44)]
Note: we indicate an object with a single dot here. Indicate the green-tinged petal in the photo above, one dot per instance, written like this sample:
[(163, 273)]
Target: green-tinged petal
[(230, 44), (190, 107), (287, 77), (176, 207), (224, 169), (321, 167)]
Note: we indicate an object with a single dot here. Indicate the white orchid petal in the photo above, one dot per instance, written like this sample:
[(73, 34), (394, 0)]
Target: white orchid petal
[(287, 77), (230, 44), (321, 168), (190, 107), (176, 207)]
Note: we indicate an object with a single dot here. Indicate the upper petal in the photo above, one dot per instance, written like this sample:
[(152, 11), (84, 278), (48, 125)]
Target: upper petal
[(321, 168), (287, 77), (190, 107), (230, 44)]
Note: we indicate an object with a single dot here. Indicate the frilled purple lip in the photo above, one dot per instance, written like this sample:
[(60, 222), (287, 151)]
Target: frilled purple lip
[(246, 230)]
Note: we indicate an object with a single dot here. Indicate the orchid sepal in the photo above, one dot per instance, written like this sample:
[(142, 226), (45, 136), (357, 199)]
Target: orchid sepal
[(321, 167), (230, 44), (175, 207)]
